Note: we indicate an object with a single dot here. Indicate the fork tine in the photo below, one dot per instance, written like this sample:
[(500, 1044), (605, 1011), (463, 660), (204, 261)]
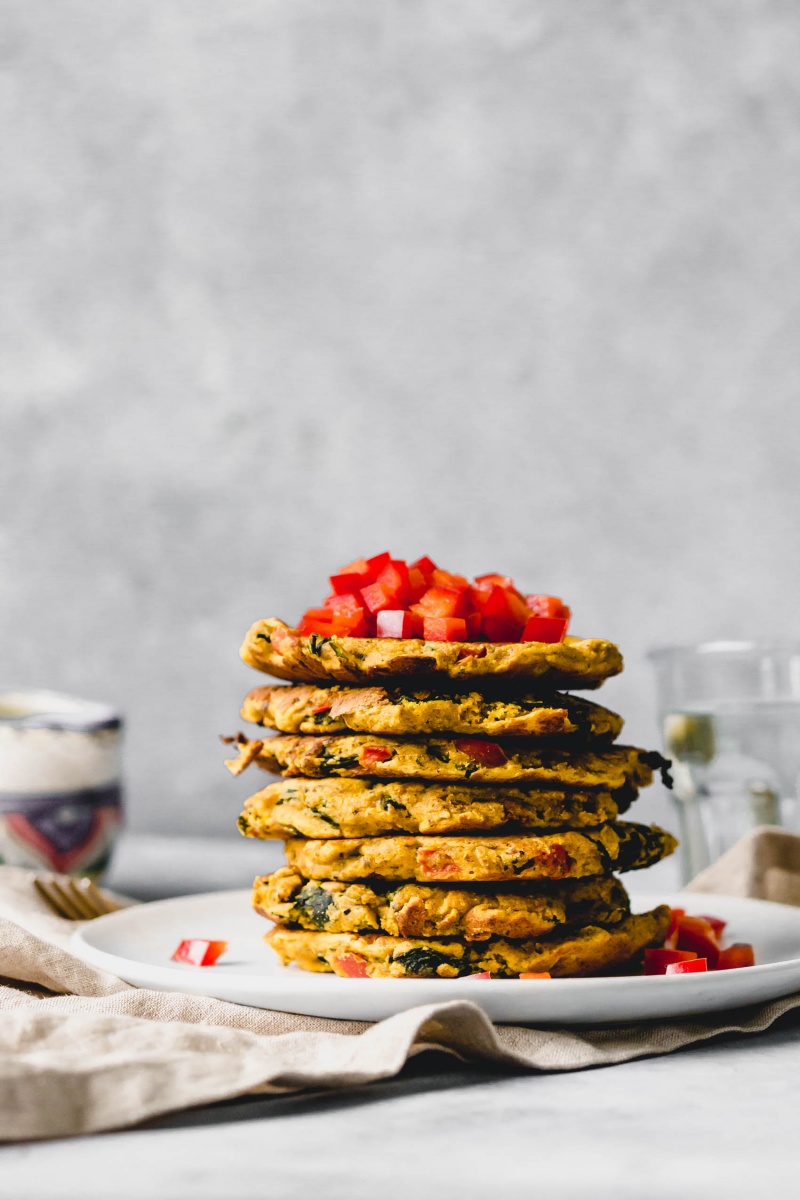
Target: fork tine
[(92, 895), (51, 901), (82, 902), (57, 899), (96, 897), (71, 906)]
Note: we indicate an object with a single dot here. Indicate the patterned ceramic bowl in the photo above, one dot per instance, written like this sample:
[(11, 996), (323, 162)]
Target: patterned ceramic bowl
[(60, 791)]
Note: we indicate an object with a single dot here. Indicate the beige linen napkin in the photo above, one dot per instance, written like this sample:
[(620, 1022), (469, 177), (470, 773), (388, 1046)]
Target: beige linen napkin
[(104, 1055)]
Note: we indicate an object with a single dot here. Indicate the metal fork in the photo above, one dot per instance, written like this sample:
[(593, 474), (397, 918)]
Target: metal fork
[(74, 899)]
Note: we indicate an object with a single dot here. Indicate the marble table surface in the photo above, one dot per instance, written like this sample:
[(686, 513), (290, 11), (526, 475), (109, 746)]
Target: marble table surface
[(717, 1120)]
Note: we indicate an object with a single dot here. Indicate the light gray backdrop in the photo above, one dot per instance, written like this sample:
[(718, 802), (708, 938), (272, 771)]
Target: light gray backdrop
[(513, 284)]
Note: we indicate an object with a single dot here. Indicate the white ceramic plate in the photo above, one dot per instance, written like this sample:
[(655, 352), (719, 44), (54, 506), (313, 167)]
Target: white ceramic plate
[(137, 942)]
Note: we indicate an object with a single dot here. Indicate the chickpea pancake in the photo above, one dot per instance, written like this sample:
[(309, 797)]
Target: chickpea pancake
[(624, 846), (447, 760), (325, 808), (570, 953), (419, 910), (272, 647), (396, 710)]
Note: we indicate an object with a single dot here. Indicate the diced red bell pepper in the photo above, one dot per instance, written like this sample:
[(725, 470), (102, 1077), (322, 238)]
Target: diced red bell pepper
[(485, 583), (350, 580), (716, 923), (696, 934), (378, 562), (351, 965), (656, 961), (418, 584), (547, 606), (740, 954), (545, 629), (398, 623), (687, 967), (357, 625), (447, 579), (500, 629), (474, 626), (323, 707), (442, 602), (334, 624), (426, 565), (479, 975), (371, 755), (444, 629), (377, 597), (345, 602), (199, 953), (359, 566), (394, 577), (317, 620), (535, 975), (503, 602), (488, 754), (674, 920)]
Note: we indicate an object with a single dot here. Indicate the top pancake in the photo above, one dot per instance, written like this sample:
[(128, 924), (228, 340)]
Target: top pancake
[(272, 647), (408, 710)]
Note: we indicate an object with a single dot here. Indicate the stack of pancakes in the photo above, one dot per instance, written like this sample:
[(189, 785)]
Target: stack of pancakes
[(445, 808)]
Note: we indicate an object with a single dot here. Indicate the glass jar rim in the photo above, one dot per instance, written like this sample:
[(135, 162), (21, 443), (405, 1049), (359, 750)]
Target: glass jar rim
[(743, 648)]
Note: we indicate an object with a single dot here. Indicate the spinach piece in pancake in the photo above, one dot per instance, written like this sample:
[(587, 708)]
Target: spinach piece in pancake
[(324, 817), (387, 803), (316, 642), (439, 752), (314, 902), (420, 961)]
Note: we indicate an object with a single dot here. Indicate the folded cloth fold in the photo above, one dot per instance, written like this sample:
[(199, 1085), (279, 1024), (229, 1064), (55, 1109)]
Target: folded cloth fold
[(82, 1051)]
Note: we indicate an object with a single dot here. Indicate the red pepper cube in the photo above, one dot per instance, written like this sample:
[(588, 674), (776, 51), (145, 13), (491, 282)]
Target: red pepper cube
[(417, 584), (376, 598), (378, 562), (351, 965), (740, 954), (687, 967), (444, 629), (346, 602), (488, 754), (485, 583), (198, 952), (356, 624), (395, 578), (503, 602), (656, 961), (398, 623), (442, 602), (479, 975), (544, 629), (359, 566), (447, 579), (347, 581), (317, 620), (696, 934), (370, 756), (500, 629), (535, 975), (474, 622), (547, 606), (425, 565), (675, 916), (716, 923)]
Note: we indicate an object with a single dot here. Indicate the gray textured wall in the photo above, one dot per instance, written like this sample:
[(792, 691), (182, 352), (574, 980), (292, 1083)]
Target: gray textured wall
[(513, 284)]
